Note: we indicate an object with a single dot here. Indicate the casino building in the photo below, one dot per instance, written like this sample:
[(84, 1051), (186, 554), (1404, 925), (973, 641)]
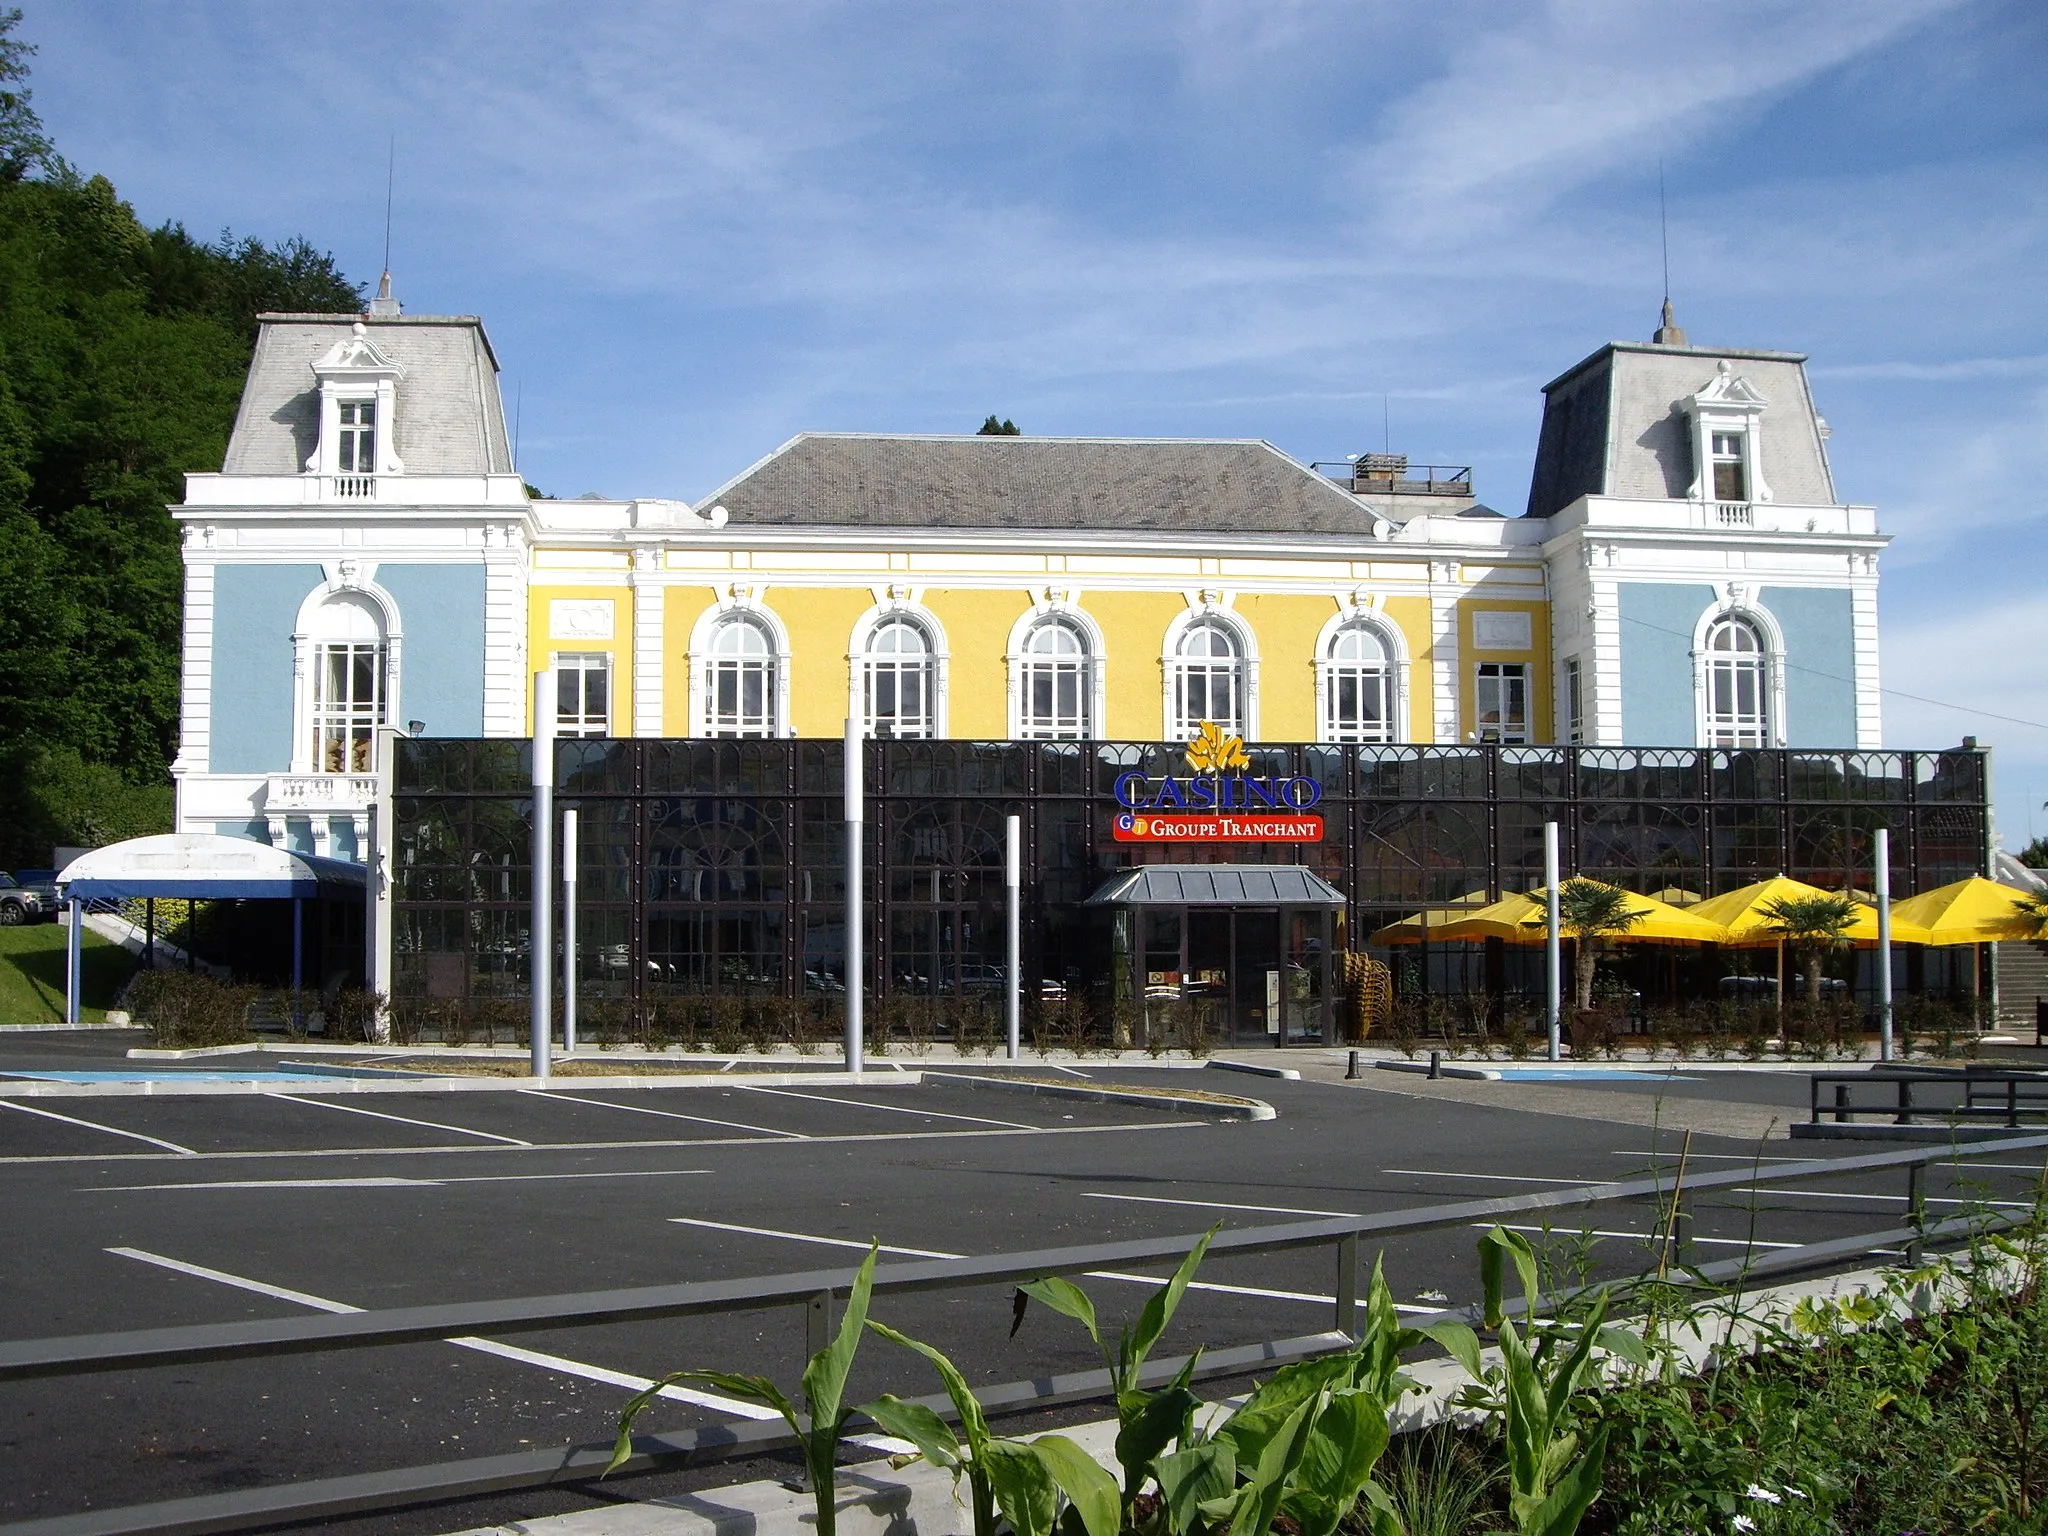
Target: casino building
[(1672, 650)]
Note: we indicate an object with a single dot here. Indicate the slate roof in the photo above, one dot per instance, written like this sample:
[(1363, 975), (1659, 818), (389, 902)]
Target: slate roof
[(1613, 426), (451, 419), (1218, 885), (1151, 485)]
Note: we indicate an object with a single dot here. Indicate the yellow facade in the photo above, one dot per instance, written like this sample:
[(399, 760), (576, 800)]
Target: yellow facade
[(546, 637), (979, 599)]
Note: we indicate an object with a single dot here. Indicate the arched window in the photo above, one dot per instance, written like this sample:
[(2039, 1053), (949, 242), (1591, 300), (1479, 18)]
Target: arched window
[(740, 681), (1208, 680), (1056, 683), (1358, 685), (350, 666), (899, 682), (1738, 694)]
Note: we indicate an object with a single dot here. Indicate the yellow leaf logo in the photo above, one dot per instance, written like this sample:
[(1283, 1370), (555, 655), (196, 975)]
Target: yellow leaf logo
[(1213, 752)]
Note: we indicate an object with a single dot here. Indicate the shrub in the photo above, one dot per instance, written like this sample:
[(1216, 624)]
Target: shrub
[(186, 1010)]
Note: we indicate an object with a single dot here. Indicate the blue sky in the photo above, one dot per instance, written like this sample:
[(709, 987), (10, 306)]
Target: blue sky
[(695, 230)]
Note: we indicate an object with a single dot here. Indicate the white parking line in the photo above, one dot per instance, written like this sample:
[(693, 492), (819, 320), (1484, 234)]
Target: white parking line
[(666, 1114), (1216, 1205), (598, 1373), (1094, 1274), (1507, 1178), (894, 1109), (853, 1138), (378, 1114), (94, 1125), (392, 1182)]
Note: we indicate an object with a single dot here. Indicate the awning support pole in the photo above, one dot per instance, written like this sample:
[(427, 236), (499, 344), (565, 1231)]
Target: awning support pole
[(569, 932), (298, 958), (74, 961), (1013, 876), (1883, 889), (542, 1017), (1553, 957), (856, 805)]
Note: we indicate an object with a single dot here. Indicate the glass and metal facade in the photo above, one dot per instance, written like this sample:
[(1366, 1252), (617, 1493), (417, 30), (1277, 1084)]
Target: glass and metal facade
[(709, 867)]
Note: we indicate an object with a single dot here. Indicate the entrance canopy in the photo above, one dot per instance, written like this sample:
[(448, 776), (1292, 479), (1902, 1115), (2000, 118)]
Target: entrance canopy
[(205, 867), (1218, 885)]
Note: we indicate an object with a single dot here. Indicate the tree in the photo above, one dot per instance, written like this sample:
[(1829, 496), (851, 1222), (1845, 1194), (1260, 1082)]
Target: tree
[(1812, 926), (2035, 854), (1593, 914), (22, 145), (1003, 428), (2030, 915)]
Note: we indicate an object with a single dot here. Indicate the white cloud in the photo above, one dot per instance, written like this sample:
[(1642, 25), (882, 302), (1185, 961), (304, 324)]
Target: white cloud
[(1969, 479)]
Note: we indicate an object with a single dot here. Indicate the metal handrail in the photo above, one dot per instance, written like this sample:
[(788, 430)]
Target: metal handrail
[(41, 1358), (1986, 1095)]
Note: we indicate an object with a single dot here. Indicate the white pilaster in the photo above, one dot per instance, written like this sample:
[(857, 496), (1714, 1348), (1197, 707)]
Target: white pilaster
[(649, 603), (195, 680), (505, 581), (1443, 649), (1863, 616), (1602, 678)]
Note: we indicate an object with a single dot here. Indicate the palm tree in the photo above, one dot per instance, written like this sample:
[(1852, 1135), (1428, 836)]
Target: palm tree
[(1593, 914), (2030, 915), (1812, 925)]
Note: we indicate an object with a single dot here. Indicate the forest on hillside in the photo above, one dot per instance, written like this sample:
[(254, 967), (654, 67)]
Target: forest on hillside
[(122, 355)]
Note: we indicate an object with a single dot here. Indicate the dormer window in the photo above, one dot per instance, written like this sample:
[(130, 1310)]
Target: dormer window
[(358, 410), (1731, 466), (358, 437)]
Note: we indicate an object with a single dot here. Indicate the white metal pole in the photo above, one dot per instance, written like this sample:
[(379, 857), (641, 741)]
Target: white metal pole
[(1883, 887), (74, 960), (540, 966), (1013, 885), (856, 804), (1553, 959), (569, 932)]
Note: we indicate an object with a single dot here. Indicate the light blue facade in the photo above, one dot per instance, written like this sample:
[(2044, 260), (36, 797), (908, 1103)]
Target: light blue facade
[(255, 608), (441, 612), (1657, 622), (1820, 660)]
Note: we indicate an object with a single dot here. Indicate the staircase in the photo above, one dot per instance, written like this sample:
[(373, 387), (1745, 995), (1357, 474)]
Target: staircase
[(2022, 971)]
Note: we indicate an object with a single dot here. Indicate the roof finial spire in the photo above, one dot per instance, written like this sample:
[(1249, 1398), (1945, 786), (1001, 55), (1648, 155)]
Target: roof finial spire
[(384, 306), (1668, 334)]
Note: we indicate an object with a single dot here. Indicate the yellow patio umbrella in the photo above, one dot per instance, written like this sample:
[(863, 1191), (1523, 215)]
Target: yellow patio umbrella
[(1745, 922), (1523, 920), (1428, 923), (1972, 911), (1676, 896)]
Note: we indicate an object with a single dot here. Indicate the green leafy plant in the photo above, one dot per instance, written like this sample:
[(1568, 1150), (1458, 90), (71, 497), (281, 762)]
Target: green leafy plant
[(819, 1428), (1813, 927)]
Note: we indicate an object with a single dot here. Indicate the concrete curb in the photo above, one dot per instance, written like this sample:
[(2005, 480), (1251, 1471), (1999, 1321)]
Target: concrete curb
[(1286, 1074), (64, 1029), (1235, 1109), (1930, 1131), (1444, 1069)]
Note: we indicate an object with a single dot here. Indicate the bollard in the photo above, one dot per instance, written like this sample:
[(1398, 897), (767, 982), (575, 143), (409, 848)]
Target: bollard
[(1436, 1063), (1351, 1071)]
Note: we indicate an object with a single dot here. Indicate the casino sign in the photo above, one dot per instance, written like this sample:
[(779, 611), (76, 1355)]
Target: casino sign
[(1216, 802)]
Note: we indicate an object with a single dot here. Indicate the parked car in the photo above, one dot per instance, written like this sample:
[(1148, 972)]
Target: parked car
[(44, 883), (19, 904), (1765, 988)]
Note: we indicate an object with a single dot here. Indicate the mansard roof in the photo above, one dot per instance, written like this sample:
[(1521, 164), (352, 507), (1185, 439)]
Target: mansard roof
[(1169, 485), (451, 418), (1616, 425)]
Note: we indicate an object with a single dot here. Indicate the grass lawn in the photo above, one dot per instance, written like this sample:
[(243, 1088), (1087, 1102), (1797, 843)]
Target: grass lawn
[(32, 974)]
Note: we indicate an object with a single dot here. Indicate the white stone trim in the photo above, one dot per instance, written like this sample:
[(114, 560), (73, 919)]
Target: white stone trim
[(1863, 618), (1360, 607), (1730, 403), (650, 620), (738, 601), (195, 682), (1737, 600), (354, 578), (905, 602), (1056, 603), (1209, 603), (506, 701), (1445, 590)]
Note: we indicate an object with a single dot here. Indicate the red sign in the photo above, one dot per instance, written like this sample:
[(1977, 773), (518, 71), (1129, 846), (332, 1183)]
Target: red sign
[(1217, 827)]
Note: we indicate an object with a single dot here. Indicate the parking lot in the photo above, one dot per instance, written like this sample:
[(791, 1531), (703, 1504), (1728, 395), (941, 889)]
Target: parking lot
[(133, 1211)]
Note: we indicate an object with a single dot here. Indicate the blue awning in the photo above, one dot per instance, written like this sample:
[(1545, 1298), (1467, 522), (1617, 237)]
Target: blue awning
[(1218, 885), (205, 867)]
